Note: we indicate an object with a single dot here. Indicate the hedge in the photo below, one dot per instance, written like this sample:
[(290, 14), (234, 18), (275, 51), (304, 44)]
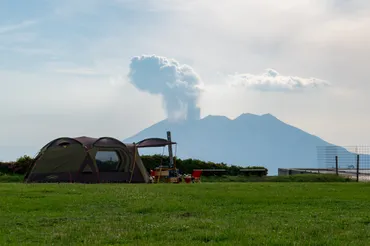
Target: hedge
[(20, 166), (186, 166)]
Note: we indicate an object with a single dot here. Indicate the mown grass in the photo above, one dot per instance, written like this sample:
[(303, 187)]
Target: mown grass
[(10, 178), (291, 178), (256, 213)]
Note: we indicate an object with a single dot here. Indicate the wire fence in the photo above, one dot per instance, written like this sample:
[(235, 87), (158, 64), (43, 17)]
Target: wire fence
[(353, 161)]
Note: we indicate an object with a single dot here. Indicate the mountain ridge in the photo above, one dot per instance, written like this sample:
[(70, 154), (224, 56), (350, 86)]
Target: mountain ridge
[(247, 140)]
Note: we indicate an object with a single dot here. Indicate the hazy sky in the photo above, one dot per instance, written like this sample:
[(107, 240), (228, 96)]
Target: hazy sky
[(64, 65)]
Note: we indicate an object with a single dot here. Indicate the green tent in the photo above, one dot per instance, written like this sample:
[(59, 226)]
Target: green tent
[(88, 160)]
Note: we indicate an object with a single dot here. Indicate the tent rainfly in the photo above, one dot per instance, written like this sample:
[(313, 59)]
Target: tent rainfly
[(91, 160)]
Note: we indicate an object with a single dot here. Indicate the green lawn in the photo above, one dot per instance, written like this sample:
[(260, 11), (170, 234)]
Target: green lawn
[(185, 214)]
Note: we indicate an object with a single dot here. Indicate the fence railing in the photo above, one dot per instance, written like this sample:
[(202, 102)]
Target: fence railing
[(349, 160)]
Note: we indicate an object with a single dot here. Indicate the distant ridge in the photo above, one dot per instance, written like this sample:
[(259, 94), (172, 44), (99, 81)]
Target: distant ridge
[(246, 140)]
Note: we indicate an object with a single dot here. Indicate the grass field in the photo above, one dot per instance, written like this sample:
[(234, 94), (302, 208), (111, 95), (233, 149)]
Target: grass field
[(288, 178), (11, 178), (180, 214)]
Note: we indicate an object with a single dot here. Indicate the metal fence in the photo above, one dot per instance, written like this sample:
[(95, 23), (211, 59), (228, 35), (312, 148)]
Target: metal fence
[(352, 161)]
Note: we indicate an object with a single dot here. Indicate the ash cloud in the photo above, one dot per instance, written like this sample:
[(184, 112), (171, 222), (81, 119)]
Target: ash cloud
[(178, 84), (271, 80)]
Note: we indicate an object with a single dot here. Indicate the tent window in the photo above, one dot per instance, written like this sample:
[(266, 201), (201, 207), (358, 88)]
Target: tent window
[(107, 161), (87, 169), (64, 144)]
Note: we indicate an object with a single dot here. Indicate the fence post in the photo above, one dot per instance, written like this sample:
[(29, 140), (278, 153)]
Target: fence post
[(336, 165), (357, 167)]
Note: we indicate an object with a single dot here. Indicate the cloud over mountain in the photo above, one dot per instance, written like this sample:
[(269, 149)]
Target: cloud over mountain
[(178, 83), (271, 80)]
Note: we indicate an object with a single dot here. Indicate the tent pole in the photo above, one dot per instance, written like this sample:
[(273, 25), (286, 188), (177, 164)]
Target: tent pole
[(175, 155), (133, 166), (170, 148), (160, 166)]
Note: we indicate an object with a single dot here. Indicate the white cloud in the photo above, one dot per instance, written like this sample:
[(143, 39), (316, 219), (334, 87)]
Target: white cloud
[(78, 71), (29, 50), (13, 27), (18, 38), (271, 80), (68, 8)]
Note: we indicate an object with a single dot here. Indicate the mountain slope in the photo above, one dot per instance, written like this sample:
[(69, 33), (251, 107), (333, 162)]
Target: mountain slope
[(247, 140)]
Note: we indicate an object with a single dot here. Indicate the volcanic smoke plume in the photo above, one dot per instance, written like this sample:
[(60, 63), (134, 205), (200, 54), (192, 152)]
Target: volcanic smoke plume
[(178, 84)]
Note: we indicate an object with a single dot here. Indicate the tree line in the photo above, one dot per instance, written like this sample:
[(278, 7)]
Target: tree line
[(186, 166)]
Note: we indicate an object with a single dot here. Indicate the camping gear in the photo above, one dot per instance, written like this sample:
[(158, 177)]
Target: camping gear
[(166, 174), (187, 179), (91, 160), (196, 175)]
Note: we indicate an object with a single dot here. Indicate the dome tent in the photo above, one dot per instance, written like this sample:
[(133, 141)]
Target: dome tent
[(88, 160)]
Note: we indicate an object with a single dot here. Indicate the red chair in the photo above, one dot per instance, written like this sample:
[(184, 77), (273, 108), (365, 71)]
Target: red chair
[(196, 175), (187, 179)]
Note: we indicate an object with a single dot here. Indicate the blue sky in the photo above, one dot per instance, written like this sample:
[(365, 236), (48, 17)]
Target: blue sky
[(64, 65), (45, 32)]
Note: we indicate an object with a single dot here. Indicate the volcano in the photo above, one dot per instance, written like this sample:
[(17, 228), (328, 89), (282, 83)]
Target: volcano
[(248, 140)]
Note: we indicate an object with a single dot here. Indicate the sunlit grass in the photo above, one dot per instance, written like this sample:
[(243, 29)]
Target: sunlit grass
[(185, 214)]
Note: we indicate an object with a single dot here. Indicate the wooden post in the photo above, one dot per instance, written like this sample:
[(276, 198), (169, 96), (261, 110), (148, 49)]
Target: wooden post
[(358, 168), (170, 149), (336, 165)]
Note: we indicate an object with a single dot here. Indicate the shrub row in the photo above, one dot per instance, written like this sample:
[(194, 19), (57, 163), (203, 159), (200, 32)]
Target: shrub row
[(20, 166), (188, 165), (10, 178)]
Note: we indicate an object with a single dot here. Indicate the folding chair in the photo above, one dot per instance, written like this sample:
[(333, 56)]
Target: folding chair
[(196, 175)]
